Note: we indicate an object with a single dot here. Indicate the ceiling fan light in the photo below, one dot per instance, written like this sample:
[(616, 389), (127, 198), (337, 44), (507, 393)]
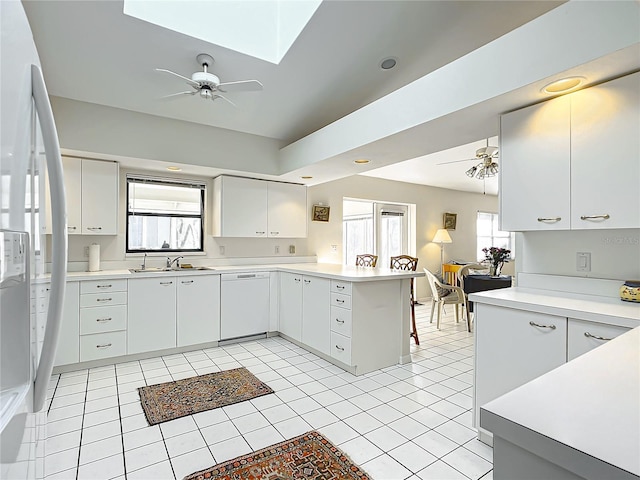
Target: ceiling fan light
[(471, 172)]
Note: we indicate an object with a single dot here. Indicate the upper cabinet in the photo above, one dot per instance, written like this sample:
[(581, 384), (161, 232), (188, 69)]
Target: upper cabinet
[(246, 207), (91, 188), (573, 162)]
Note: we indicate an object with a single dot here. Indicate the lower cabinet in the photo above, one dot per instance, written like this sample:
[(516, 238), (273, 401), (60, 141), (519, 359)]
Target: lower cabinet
[(515, 346), (68, 350), (290, 315), (198, 309), (152, 314)]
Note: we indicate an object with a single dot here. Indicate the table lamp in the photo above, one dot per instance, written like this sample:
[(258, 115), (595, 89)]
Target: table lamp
[(442, 237)]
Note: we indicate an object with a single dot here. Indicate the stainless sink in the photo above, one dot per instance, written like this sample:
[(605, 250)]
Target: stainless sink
[(168, 270)]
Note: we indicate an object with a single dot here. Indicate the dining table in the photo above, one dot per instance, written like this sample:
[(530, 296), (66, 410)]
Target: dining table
[(482, 283)]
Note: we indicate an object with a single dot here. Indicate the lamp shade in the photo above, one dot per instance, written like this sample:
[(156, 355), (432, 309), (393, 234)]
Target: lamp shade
[(442, 236)]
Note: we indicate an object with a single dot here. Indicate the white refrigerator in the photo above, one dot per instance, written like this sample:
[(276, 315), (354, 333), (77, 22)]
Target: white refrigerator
[(28, 339)]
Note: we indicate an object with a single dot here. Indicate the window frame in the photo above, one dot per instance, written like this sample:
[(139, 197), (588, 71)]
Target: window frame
[(510, 236), (173, 183)]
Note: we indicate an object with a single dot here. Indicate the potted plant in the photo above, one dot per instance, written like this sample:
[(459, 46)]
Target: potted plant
[(496, 257)]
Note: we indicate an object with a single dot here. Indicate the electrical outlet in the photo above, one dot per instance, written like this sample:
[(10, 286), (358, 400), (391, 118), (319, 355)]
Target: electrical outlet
[(583, 261), (277, 248), (86, 252), (292, 249), (334, 248), (221, 249)]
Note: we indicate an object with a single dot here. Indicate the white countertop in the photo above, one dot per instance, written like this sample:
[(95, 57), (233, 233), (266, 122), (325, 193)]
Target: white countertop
[(583, 416), (327, 270), (583, 307)]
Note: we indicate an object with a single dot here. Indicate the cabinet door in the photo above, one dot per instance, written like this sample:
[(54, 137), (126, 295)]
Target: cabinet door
[(605, 155), (584, 336), (290, 319), (535, 167), (244, 207), (151, 314), (512, 348), (68, 350), (316, 313), (99, 197), (287, 210), (198, 309), (72, 171)]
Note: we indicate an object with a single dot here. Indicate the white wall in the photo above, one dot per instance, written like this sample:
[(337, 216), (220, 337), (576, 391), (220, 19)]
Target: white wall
[(615, 254), (430, 202)]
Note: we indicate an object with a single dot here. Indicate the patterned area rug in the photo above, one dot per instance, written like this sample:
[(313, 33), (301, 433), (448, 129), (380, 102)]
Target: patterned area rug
[(171, 400), (309, 456)]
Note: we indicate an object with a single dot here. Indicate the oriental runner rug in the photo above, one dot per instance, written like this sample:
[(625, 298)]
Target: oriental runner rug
[(310, 457), (171, 400)]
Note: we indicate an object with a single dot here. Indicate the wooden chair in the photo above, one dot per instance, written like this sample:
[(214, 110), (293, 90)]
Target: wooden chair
[(407, 262), (366, 260), (443, 294)]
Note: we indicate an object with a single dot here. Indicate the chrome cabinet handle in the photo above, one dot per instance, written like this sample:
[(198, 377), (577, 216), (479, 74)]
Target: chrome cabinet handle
[(340, 348), (296, 280), (186, 282), (69, 227), (339, 321), (534, 324), (550, 219), (260, 233), (339, 301), (99, 320), (307, 281), (103, 299), (341, 287), (590, 335), (94, 228), (166, 283), (604, 216), (106, 345), (104, 286), (275, 233)]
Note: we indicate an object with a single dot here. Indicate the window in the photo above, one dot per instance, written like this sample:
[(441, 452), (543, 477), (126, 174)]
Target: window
[(164, 215), (488, 234)]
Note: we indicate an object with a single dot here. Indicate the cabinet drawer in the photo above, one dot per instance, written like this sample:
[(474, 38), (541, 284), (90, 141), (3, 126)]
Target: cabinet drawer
[(340, 300), (103, 299), (341, 321), (584, 336), (103, 319), (103, 345), (341, 348), (341, 287), (101, 286)]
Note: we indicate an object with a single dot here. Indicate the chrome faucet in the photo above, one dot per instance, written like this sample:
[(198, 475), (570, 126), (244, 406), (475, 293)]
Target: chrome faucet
[(175, 260), (144, 262)]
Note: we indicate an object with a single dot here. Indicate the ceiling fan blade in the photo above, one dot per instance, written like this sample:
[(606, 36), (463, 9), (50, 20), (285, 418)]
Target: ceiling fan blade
[(179, 94), (224, 98), (458, 161), (240, 86), (186, 79)]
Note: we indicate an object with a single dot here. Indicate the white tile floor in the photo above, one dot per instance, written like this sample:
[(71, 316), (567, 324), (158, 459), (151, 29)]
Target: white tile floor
[(404, 422)]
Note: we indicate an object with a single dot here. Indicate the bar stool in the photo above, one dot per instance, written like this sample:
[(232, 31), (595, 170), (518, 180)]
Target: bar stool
[(366, 260), (407, 262)]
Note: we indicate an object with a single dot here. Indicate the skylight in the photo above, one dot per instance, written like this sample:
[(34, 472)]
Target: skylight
[(264, 29)]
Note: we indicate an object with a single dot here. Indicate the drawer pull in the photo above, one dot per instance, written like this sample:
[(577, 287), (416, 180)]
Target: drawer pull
[(595, 217), (590, 335), (341, 287), (104, 286), (100, 320), (94, 228), (106, 345), (340, 348), (339, 321), (339, 300), (551, 219), (186, 282), (534, 324), (166, 283), (275, 233), (104, 299)]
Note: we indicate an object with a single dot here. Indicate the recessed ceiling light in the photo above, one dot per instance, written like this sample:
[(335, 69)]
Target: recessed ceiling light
[(388, 63), (174, 169), (306, 177), (361, 161), (563, 85)]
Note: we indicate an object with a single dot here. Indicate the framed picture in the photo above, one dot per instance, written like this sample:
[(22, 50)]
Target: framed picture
[(449, 221), (320, 213)]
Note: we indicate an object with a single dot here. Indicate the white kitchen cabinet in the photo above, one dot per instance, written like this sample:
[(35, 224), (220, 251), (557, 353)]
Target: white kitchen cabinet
[(246, 207), (151, 314), (290, 317), (534, 167), (573, 162), (584, 336), (68, 346), (286, 210), (513, 347), (316, 313), (198, 309), (91, 188), (605, 155)]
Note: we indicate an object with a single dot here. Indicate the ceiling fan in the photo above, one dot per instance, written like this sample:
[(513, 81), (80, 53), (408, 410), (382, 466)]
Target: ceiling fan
[(208, 85), (487, 166)]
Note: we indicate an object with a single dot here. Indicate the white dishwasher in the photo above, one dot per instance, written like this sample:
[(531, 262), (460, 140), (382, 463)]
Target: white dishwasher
[(244, 304)]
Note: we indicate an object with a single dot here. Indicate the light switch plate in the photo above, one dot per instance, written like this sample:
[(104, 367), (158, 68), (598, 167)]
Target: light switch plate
[(583, 261)]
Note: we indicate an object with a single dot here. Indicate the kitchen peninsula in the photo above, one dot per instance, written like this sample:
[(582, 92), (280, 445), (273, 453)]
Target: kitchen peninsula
[(356, 318)]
